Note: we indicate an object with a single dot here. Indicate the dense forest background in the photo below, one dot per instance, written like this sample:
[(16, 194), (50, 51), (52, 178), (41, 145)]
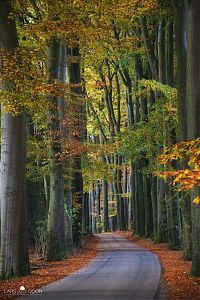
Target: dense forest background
[(100, 126)]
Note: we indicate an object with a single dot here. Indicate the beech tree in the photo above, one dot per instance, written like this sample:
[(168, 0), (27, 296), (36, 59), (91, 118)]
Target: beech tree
[(14, 239), (193, 105), (56, 242)]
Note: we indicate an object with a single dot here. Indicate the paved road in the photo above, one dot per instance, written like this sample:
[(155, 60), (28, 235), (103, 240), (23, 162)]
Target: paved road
[(122, 271)]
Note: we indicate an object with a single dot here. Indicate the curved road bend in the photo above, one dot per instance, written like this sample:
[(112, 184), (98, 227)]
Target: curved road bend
[(121, 271)]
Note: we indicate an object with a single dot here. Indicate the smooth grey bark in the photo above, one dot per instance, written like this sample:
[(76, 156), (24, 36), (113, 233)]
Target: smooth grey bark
[(162, 233), (77, 194), (56, 242), (173, 219), (117, 188), (63, 107), (92, 210), (112, 207), (74, 73), (125, 197), (154, 205), (162, 187), (185, 205), (139, 202), (181, 56), (117, 199), (120, 192), (98, 208), (172, 199), (180, 17), (85, 214), (46, 189), (68, 197), (132, 205), (193, 94), (14, 240), (148, 206), (105, 204)]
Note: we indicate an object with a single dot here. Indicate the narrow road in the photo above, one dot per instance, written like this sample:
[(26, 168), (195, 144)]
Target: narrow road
[(122, 270)]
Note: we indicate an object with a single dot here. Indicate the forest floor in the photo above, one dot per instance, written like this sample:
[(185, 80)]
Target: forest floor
[(47, 272), (175, 270)]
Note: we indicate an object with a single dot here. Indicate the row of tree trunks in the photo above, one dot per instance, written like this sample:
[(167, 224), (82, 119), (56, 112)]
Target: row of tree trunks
[(61, 235), (160, 218)]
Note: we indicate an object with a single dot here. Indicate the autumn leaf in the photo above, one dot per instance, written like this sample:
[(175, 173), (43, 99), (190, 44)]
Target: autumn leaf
[(196, 200)]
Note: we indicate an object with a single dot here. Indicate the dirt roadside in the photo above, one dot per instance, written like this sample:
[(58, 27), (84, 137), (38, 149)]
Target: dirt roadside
[(48, 272)]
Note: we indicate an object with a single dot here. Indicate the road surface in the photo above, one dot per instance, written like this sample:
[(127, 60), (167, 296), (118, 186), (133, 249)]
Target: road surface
[(121, 271)]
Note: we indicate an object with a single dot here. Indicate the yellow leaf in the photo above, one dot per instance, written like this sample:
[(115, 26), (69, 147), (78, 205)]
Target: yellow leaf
[(197, 200)]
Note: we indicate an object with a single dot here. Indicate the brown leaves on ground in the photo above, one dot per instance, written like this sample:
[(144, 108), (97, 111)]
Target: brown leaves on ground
[(181, 285), (47, 272)]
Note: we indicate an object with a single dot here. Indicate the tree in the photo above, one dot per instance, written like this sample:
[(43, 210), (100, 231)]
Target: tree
[(56, 242), (193, 108), (181, 54), (14, 239)]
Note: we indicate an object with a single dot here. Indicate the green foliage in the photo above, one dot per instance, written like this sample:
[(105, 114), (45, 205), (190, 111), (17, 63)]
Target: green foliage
[(146, 138), (37, 166), (94, 168)]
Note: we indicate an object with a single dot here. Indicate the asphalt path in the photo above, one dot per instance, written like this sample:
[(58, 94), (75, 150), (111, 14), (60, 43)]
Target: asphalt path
[(122, 270)]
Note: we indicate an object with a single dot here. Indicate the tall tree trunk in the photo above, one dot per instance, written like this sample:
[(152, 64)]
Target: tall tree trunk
[(132, 204), (193, 90), (85, 214), (69, 216), (181, 54), (162, 234), (92, 205), (120, 192), (63, 112), (56, 242), (74, 73), (105, 204), (77, 191), (98, 208), (14, 240), (148, 206), (172, 200), (173, 219), (162, 188), (154, 205), (125, 197), (140, 210)]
